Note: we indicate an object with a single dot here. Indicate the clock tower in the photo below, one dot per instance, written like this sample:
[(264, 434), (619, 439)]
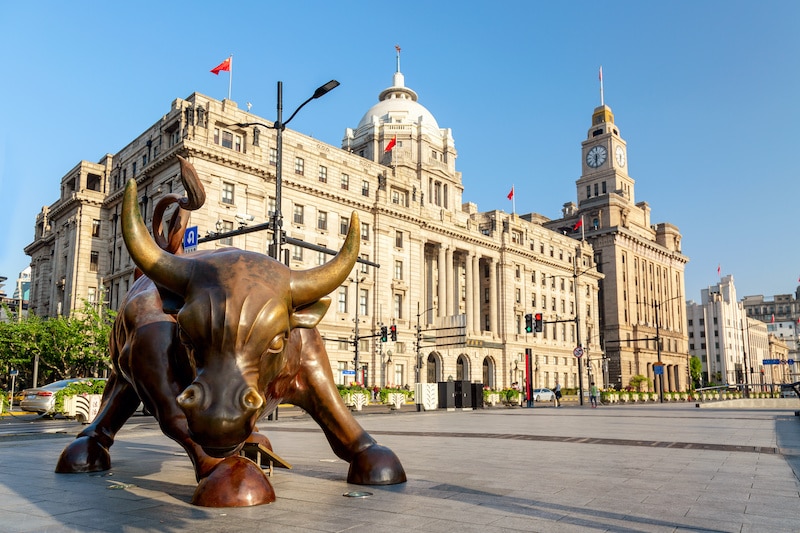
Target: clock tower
[(605, 162)]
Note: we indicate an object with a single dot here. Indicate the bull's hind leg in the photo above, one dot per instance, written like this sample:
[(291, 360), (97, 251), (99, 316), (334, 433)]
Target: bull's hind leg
[(89, 451), (370, 463)]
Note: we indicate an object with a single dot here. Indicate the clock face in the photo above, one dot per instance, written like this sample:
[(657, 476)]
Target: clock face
[(620, 153), (596, 156)]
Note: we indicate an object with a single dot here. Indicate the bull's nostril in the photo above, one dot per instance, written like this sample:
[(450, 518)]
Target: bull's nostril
[(190, 396), (251, 399)]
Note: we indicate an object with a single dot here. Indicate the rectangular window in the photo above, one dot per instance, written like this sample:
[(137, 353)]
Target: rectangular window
[(363, 302), (227, 227), (227, 139), (323, 174), (273, 156), (95, 228), (322, 257), (322, 220), (342, 306), (298, 214), (364, 231), (345, 182), (364, 266), (398, 239), (398, 305), (365, 188), (344, 223), (299, 166), (227, 193), (518, 295), (94, 261), (297, 253), (398, 269)]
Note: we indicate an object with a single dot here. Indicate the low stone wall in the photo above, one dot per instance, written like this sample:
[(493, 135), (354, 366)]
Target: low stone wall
[(752, 403)]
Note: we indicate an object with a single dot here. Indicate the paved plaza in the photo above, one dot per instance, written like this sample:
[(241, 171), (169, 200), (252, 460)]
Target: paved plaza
[(656, 467)]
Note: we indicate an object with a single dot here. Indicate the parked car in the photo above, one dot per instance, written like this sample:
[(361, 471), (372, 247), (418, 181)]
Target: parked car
[(543, 395), (787, 391), (42, 400)]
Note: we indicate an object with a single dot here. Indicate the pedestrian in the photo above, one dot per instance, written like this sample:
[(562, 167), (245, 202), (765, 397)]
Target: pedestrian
[(593, 394), (558, 394)]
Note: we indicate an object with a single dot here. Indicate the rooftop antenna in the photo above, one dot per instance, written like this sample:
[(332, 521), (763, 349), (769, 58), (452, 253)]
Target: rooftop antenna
[(600, 75), (397, 47)]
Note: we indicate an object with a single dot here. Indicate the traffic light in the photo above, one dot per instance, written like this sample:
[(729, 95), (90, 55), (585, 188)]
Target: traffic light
[(529, 323), (384, 333), (393, 329), (538, 319)]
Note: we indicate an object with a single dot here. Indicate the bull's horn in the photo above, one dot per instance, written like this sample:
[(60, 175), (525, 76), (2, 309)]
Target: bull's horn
[(167, 270), (310, 285)]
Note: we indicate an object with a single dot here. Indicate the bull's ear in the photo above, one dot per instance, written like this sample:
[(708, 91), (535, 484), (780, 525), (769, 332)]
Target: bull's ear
[(310, 315)]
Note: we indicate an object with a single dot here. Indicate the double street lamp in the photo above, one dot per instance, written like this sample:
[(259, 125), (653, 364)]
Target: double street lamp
[(279, 126)]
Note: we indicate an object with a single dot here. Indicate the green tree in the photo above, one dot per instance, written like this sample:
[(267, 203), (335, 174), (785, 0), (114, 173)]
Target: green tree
[(66, 346), (695, 370), (637, 381)]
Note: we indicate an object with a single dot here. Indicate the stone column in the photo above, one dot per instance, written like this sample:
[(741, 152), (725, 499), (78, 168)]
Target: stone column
[(493, 270), (441, 308), (450, 276), (468, 306), (476, 293)]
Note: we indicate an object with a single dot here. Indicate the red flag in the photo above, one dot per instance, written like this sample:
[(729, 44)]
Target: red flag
[(773, 318), (390, 145), (225, 65), (577, 225), (511, 194), (719, 270), (600, 74)]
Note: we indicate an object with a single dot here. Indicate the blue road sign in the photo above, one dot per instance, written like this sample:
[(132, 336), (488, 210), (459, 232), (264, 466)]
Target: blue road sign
[(658, 370), (349, 372), (190, 239), (790, 362), (771, 361)]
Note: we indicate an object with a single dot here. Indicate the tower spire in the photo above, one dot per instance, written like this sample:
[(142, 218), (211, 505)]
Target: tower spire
[(397, 47)]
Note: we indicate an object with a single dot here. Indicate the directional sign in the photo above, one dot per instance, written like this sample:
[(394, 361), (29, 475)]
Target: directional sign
[(14, 372), (348, 372), (771, 361), (790, 361), (190, 239), (658, 370), (577, 352)]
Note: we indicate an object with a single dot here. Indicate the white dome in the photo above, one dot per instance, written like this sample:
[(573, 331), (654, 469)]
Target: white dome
[(398, 104)]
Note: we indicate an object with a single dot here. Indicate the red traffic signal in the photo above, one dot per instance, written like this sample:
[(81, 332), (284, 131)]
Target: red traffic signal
[(393, 332), (537, 319)]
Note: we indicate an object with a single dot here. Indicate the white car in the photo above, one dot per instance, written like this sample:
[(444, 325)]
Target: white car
[(543, 395)]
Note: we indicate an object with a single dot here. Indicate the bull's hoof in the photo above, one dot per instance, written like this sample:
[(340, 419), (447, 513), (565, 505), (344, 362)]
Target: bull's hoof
[(376, 465), (235, 482), (84, 454)]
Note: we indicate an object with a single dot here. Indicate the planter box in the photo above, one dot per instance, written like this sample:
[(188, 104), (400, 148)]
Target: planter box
[(396, 400), (427, 395), (492, 399), (82, 408)]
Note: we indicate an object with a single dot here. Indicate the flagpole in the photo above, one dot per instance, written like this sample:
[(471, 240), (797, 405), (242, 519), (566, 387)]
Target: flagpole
[(602, 101), (513, 202), (230, 76)]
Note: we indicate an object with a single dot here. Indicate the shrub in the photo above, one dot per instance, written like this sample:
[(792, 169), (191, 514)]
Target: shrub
[(79, 388)]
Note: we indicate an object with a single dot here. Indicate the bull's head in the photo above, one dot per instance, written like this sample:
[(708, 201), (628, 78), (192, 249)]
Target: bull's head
[(235, 310)]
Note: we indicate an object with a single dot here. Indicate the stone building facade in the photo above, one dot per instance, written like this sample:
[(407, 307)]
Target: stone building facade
[(442, 262), (643, 308), (781, 314)]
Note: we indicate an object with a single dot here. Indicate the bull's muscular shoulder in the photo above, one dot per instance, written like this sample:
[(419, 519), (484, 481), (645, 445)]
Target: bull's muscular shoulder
[(143, 304)]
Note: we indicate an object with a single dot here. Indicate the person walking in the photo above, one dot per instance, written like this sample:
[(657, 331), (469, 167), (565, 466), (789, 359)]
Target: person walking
[(558, 394), (593, 394)]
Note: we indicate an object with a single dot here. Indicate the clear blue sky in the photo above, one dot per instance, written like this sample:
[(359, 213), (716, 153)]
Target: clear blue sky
[(705, 94)]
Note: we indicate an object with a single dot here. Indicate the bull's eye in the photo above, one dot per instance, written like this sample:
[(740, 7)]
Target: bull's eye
[(277, 344)]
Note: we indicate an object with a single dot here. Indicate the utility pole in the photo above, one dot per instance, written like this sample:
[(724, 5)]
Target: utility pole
[(357, 339)]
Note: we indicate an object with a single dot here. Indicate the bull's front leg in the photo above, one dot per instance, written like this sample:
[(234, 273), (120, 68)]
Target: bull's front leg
[(316, 393)]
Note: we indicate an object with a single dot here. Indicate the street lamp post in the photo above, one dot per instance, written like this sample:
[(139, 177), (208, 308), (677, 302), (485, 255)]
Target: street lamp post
[(357, 339), (279, 126), (418, 366)]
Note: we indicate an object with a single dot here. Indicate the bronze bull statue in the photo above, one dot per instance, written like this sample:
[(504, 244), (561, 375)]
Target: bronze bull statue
[(212, 341)]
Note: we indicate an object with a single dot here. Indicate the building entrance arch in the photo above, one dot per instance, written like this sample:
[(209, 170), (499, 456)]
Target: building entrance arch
[(434, 368), (462, 368), (489, 369)]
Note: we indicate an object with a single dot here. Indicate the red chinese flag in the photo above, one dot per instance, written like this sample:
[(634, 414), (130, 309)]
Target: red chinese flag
[(577, 225), (225, 65), (511, 194), (773, 319), (390, 145)]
